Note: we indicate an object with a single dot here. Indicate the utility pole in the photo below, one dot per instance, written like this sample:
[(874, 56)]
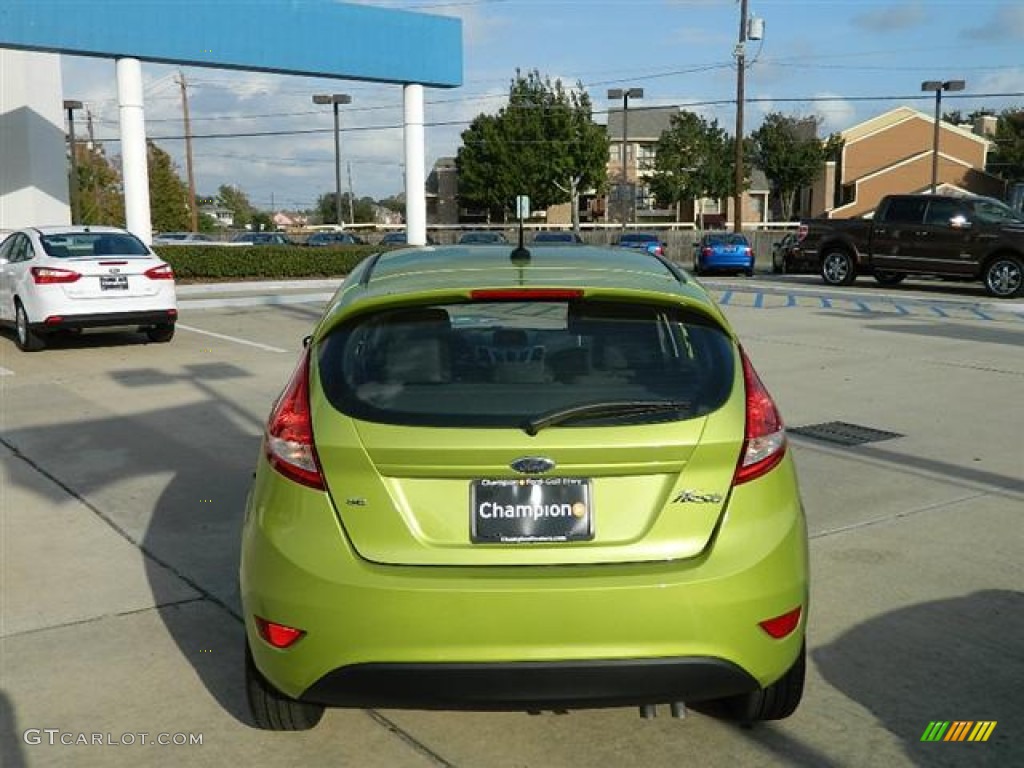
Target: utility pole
[(741, 65), (351, 205), (193, 212)]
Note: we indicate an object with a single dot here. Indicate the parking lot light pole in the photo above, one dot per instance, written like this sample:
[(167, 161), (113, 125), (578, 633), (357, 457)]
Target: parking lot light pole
[(939, 86), (71, 106), (334, 99), (625, 94)]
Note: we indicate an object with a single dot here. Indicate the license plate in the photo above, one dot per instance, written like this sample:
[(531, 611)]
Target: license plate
[(114, 283), (530, 510)]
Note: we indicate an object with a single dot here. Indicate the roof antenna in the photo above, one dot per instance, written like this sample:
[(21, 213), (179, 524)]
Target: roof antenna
[(520, 256)]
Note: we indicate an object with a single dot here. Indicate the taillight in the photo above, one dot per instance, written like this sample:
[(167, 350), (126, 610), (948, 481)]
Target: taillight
[(782, 625), (705, 251), (289, 437), (51, 275), (764, 440), (163, 272), (525, 294), (278, 635)]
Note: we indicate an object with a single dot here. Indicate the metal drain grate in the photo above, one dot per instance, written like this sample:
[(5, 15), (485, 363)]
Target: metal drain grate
[(842, 433)]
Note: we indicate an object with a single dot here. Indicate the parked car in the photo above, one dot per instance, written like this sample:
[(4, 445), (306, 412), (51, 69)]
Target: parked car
[(788, 258), (723, 252), (182, 238), (262, 238), (644, 241), (958, 238), (557, 237), (501, 486), (399, 238), (71, 278), (321, 239), (482, 238)]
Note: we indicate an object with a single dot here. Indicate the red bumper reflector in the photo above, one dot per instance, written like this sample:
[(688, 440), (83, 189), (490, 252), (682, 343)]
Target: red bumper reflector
[(54, 320), (278, 635), (782, 625)]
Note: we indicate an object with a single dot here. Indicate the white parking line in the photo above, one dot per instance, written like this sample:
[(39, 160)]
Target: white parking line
[(235, 339), (5, 372)]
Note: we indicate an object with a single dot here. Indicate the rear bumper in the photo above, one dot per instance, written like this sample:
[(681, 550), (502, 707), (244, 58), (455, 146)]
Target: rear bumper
[(515, 637), (107, 320), (519, 685)]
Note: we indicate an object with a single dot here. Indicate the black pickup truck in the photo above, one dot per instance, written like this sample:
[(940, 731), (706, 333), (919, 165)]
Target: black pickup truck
[(958, 238)]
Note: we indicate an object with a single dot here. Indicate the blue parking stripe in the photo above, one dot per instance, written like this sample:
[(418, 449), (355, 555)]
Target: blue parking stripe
[(791, 300), (901, 309), (861, 306), (825, 303), (726, 298), (938, 311), (758, 300), (980, 314)]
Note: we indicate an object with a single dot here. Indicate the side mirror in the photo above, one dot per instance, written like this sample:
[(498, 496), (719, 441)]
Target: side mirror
[(960, 222)]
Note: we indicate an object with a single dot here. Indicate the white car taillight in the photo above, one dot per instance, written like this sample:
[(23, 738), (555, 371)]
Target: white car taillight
[(51, 275), (764, 440), (163, 272), (289, 437)]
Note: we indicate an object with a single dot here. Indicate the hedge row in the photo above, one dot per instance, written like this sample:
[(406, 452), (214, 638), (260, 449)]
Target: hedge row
[(267, 262)]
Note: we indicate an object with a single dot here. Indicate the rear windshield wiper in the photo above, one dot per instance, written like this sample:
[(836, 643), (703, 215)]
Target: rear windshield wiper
[(609, 408)]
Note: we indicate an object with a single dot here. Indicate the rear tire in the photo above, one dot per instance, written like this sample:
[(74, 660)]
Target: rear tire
[(889, 278), (838, 268), (26, 339), (272, 710), (776, 702), (161, 334), (1004, 277)]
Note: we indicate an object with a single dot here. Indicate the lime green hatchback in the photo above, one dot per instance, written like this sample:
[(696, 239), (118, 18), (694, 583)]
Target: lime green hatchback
[(523, 481)]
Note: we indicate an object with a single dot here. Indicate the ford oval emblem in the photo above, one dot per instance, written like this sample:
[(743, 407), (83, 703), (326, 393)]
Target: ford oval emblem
[(533, 465)]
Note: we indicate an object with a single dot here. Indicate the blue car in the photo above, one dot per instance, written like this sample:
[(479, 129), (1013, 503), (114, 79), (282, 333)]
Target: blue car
[(723, 252), (644, 241)]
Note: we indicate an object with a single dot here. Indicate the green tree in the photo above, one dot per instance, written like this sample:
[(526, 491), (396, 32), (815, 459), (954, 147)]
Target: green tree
[(260, 221), (236, 201), (543, 143), (168, 195), (788, 150), (100, 192), (1007, 159), (694, 159)]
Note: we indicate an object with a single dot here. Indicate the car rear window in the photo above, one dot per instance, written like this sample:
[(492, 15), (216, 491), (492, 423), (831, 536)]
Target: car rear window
[(85, 244), (498, 364)]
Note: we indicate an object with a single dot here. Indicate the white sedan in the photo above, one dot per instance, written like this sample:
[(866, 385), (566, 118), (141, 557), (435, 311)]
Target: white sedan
[(70, 278)]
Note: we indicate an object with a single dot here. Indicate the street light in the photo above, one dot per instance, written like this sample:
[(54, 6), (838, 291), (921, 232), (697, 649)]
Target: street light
[(71, 105), (334, 99), (625, 94), (939, 86)]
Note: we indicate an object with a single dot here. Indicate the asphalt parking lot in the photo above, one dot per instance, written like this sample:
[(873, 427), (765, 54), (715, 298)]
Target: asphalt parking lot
[(126, 465)]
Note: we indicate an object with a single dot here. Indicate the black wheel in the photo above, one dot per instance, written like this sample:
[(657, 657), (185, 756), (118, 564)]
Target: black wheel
[(1004, 277), (696, 269), (161, 333), (749, 272), (889, 278), (838, 268), (26, 339), (271, 709), (776, 702)]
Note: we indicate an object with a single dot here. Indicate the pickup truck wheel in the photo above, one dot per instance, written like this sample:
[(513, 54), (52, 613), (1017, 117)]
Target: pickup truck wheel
[(889, 278), (1004, 277), (837, 268)]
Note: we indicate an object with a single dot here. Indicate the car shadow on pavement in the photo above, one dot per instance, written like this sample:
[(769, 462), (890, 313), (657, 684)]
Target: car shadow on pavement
[(948, 660), (201, 453), (11, 753)]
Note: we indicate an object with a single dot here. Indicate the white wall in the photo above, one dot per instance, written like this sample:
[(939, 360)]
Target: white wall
[(33, 149)]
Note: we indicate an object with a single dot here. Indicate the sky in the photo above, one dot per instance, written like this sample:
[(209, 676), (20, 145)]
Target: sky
[(843, 61)]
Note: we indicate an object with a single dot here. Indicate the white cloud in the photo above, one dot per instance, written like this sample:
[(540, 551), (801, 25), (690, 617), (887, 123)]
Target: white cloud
[(1006, 24)]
